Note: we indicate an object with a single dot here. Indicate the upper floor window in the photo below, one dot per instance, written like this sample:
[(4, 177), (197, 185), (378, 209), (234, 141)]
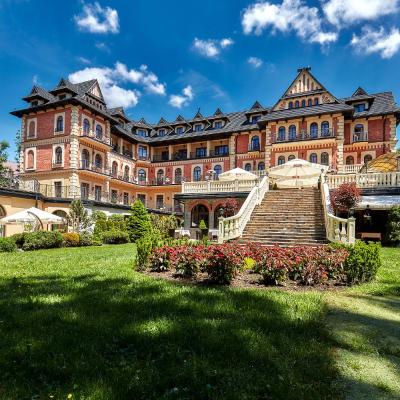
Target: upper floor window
[(292, 132), (34, 103), (309, 102), (281, 133), (141, 176), (316, 101), (314, 130), (324, 158), (99, 132), (359, 107), (297, 104), (114, 168), (85, 158), (31, 129), (142, 151), (290, 104), (303, 103), (142, 132), (197, 174), (217, 170), (261, 166), (255, 118), (247, 167), (221, 150), (218, 124), (98, 161), (198, 127), (86, 126), (349, 160), (179, 130), (313, 158), (161, 132), (58, 155), (201, 152), (359, 129), (255, 143), (59, 124), (367, 158), (30, 162), (281, 160), (325, 128)]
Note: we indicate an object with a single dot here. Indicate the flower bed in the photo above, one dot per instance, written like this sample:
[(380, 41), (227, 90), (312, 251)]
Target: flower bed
[(306, 265)]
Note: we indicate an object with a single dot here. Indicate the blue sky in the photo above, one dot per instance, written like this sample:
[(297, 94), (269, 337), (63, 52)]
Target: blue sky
[(164, 58)]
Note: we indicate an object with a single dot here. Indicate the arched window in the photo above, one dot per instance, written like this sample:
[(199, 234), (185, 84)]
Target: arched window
[(142, 176), (309, 102), (292, 132), (281, 133), (291, 157), (114, 169), (255, 143), (217, 170), (99, 132), (325, 128), (196, 174), (198, 213), (303, 103), (178, 175), (281, 160), (316, 101), (98, 161), (290, 104), (247, 167), (58, 155), (261, 166), (60, 124), (30, 159), (314, 130), (86, 126), (313, 158), (367, 158), (324, 158), (31, 129), (85, 159), (126, 173), (359, 128), (349, 160), (160, 176), (297, 104)]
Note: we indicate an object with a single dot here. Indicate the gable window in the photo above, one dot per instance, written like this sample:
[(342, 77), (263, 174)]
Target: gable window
[(292, 132), (313, 158), (59, 124), (218, 124), (325, 128), (34, 103), (281, 160), (31, 129), (309, 102), (359, 107), (198, 127), (247, 167), (324, 158), (314, 130), (281, 133), (142, 176), (161, 132), (255, 143), (254, 118), (197, 174), (58, 155), (142, 132), (290, 105), (180, 129), (86, 126), (99, 132)]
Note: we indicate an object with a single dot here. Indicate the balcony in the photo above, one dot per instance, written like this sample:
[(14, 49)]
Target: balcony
[(304, 135), (143, 157), (99, 139), (219, 153), (124, 152), (360, 137), (160, 157), (93, 167), (254, 147)]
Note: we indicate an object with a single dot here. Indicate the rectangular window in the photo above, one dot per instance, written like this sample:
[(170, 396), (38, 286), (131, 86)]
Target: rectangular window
[(142, 132), (57, 189), (126, 199), (180, 129), (201, 152), (164, 155), (198, 127), (255, 118), (97, 193), (221, 150), (159, 201), (182, 154), (218, 125), (114, 196), (142, 151), (84, 191), (161, 132), (359, 107), (142, 198)]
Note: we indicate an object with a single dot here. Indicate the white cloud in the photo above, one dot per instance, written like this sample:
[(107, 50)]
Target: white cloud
[(387, 44), (84, 60), (110, 80), (211, 48), (96, 19), (340, 12), (35, 79), (180, 100), (255, 62), (290, 15), (103, 47)]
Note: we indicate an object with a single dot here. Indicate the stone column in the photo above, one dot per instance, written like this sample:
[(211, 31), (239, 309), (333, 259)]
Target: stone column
[(208, 148), (188, 149), (393, 140), (268, 147), (232, 151), (170, 151), (340, 143)]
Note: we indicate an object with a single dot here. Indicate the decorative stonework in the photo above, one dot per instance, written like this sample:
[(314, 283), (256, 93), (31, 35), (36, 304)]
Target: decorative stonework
[(268, 147)]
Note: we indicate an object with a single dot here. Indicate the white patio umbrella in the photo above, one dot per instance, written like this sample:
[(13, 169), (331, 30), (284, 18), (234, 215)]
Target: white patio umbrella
[(32, 216), (237, 174), (297, 173)]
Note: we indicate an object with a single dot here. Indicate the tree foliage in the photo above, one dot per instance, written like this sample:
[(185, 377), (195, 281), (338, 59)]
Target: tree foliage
[(138, 223), (393, 225), (3, 159), (78, 217), (345, 197)]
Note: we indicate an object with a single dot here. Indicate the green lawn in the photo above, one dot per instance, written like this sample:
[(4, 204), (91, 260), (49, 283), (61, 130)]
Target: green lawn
[(81, 322)]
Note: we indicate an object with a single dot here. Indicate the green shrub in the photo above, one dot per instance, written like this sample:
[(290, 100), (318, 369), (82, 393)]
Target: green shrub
[(71, 239), (144, 246), (7, 245), (138, 223), (115, 237), (86, 239), (363, 262), (393, 226), (19, 239), (42, 240)]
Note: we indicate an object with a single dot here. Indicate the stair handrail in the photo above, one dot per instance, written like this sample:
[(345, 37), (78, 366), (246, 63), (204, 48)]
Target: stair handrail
[(233, 227), (337, 229)]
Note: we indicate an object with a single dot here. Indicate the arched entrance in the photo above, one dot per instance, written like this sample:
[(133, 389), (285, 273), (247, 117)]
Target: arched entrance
[(198, 213)]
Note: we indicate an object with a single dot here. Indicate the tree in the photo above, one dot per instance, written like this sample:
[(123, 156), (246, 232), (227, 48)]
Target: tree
[(3, 159), (393, 225), (345, 197), (229, 207), (78, 217), (17, 148), (138, 223)]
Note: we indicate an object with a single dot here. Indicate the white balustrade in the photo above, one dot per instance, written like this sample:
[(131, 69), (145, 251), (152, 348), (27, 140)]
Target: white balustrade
[(233, 227), (219, 186), (352, 169), (337, 229), (367, 180)]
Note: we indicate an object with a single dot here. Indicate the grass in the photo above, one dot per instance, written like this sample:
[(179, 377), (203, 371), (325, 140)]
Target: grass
[(81, 322)]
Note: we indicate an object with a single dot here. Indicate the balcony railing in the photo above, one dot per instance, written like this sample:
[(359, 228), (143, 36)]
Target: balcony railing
[(254, 147), (99, 168), (219, 186), (360, 137), (304, 135), (143, 158), (97, 138), (352, 169)]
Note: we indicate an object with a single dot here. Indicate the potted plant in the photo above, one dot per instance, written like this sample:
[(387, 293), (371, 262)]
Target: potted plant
[(203, 228)]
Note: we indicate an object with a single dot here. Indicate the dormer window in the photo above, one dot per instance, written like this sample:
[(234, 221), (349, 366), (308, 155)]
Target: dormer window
[(142, 132), (62, 96), (34, 103), (218, 124), (161, 132), (360, 107), (255, 118), (198, 127), (179, 129)]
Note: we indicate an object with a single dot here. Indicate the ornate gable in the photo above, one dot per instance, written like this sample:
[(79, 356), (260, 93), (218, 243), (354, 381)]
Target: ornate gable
[(96, 91)]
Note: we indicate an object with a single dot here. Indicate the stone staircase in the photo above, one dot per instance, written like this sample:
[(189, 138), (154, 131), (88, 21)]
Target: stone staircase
[(287, 217)]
